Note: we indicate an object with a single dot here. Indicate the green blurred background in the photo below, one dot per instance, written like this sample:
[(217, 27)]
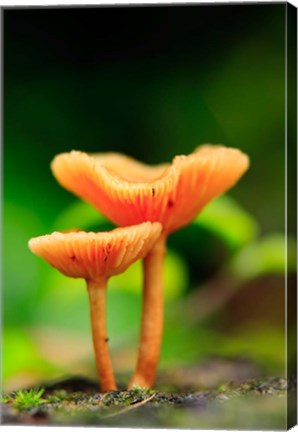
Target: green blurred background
[(151, 82)]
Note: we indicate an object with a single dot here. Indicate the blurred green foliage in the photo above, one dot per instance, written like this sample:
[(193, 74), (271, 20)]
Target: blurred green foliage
[(192, 74), (20, 354), (230, 221), (266, 255)]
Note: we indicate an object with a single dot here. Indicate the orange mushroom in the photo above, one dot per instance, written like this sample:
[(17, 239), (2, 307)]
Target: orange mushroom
[(96, 257), (129, 192)]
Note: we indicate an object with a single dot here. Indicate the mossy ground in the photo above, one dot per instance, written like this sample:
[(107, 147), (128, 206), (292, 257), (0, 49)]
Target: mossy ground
[(253, 404)]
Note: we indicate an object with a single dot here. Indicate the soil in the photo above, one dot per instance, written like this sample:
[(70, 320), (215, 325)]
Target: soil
[(251, 404)]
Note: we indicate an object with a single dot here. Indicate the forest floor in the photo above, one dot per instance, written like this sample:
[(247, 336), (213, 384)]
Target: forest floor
[(259, 403)]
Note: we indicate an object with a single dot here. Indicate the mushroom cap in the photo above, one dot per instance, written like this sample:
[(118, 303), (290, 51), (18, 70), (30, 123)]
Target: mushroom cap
[(129, 192), (94, 256)]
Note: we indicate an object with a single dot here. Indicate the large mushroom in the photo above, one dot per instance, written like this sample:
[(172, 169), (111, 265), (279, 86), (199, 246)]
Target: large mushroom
[(96, 257), (129, 192)]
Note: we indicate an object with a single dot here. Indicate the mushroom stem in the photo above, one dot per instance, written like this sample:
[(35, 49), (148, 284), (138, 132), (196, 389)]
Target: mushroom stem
[(97, 300), (152, 317)]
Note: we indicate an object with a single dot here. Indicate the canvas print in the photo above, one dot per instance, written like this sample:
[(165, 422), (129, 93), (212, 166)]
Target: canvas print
[(149, 228)]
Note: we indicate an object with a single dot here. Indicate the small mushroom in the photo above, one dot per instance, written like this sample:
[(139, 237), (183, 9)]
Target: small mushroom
[(129, 192), (96, 257)]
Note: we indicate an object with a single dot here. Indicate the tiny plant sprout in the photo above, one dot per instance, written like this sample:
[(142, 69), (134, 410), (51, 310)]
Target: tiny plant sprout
[(129, 192), (26, 399), (96, 257)]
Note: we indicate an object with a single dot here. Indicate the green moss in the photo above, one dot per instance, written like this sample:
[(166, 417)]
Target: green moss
[(5, 398), (57, 396), (141, 391), (26, 399)]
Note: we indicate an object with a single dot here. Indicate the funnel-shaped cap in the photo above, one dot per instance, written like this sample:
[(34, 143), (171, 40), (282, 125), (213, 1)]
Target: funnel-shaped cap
[(96, 255), (129, 192)]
